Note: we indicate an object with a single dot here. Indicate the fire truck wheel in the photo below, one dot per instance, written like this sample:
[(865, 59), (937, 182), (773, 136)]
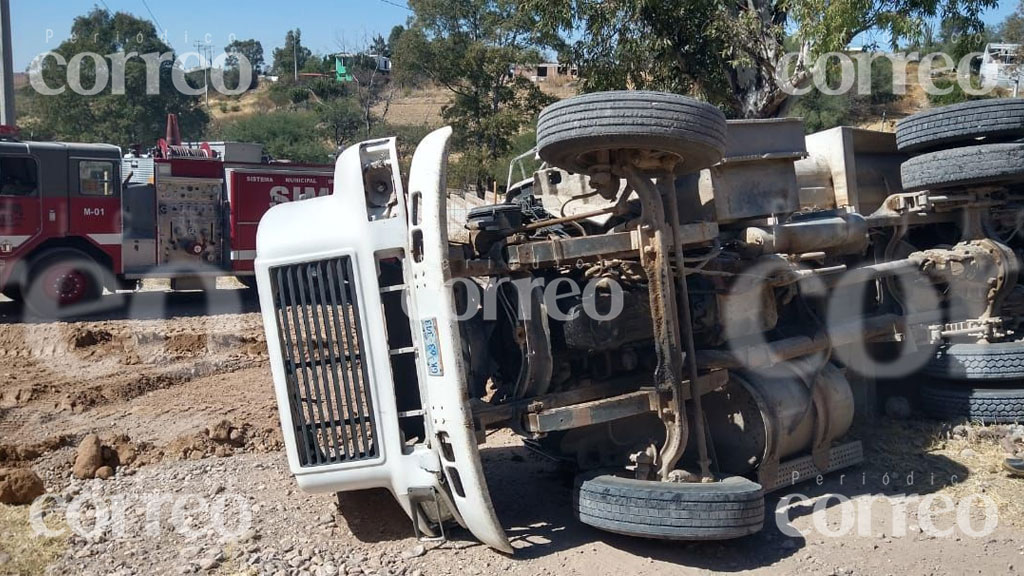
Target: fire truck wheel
[(573, 134), (995, 164), (980, 121), (62, 281), (730, 508)]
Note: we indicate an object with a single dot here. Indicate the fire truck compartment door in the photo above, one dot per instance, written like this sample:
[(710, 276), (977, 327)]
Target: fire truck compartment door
[(440, 343), (20, 217), (95, 200)]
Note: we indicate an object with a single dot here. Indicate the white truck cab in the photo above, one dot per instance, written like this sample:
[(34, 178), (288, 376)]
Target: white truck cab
[(363, 407)]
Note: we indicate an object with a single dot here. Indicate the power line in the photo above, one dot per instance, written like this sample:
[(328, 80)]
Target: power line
[(105, 6), (153, 16), (397, 5)]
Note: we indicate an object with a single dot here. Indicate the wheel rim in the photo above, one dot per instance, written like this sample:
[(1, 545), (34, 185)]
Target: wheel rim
[(65, 285)]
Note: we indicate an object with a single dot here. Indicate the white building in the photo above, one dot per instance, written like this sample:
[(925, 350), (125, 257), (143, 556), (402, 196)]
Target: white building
[(1000, 64)]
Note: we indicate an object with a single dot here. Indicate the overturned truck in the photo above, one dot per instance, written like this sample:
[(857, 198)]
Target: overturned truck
[(690, 311)]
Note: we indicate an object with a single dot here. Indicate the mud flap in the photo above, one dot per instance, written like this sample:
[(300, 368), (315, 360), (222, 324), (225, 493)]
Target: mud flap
[(441, 362)]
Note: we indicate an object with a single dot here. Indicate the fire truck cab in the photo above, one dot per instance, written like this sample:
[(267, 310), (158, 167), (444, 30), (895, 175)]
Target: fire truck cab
[(78, 219)]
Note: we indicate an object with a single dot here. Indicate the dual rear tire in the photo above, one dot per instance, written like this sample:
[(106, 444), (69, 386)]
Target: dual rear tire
[(982, 383), (964, 145)]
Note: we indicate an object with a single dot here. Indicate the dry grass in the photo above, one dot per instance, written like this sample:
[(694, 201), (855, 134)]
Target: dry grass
[(29, 554), (931, 448), (986, 473), (248, 104)]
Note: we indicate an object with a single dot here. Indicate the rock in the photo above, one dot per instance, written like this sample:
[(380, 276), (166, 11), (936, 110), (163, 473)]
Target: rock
[(89, 458), (220, 432), (897, 408), (4, 558), (208, 564), (414, 552), (968, 453), (1008, 446), (994, 433), (961, 430), (105, 473), (20, 486), (236, 437)]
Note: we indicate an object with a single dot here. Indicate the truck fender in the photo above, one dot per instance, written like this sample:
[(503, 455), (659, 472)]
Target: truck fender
[(439, 339)]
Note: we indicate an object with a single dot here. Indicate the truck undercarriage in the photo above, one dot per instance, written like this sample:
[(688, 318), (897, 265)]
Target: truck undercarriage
[(688, 310)]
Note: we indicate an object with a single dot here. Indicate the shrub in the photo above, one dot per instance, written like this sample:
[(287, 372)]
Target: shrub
[(285, 135)]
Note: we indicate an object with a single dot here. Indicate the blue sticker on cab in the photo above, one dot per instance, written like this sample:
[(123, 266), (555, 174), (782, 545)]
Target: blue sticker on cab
[(432, 348)]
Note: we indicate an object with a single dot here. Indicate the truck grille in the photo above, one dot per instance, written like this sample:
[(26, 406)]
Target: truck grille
[(329, 391)]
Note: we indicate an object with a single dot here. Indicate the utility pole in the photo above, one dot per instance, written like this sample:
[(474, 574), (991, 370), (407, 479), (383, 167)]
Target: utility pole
[(7, 117), (295, 56), (206, 50)]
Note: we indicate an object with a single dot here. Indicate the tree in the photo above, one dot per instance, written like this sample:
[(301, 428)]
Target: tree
[(1012, 28), (393, 38), (730, 52), (370, 86), (291, 57), (252, 50), (341, 119), (379, 47), (123, 117), (469, 47), (285, 135)]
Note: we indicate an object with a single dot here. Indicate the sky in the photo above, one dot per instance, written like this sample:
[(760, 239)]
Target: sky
[(327, 25)]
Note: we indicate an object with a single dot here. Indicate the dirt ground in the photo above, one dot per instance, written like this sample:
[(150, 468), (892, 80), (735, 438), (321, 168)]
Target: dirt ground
[(152, 387)]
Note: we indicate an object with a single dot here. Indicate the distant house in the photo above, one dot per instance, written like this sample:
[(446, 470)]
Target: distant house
[(547, 72), (1000, 64)]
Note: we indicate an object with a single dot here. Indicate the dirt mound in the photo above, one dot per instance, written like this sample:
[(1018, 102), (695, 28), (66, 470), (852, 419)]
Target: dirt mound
[(19, 486), (13, 454), (222, 439)]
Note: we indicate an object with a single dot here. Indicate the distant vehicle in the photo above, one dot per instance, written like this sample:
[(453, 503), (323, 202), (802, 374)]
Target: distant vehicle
[(76, 219)]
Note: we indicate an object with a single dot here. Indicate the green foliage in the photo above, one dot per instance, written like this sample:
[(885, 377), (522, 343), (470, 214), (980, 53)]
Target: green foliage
[(327, 88), (341, 119), (134, 117), (956, 92), (1012, 28), (822, 111), (298, 94), (293, 54), (728, 52), (468, 47), (251, 49), (286, 135)]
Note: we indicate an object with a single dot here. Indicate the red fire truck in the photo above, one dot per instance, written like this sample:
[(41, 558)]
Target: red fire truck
[(76, 219)]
